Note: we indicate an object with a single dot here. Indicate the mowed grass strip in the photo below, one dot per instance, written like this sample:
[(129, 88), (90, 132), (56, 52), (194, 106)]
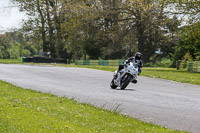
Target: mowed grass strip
[(172, 74), (23, 110), (11, 61)]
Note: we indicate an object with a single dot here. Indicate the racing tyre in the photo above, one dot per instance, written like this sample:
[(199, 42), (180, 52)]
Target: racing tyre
[(125, 82), (112, 85)]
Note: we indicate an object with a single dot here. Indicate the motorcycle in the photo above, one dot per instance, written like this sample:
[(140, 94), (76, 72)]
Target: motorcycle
[(125, 76)]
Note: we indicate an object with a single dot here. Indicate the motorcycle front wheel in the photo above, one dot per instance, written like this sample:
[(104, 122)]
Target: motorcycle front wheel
[(112, 84), (125, 82)]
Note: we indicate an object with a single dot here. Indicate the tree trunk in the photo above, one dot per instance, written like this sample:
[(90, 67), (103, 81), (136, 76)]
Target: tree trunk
[(43, 32), (51, 34)]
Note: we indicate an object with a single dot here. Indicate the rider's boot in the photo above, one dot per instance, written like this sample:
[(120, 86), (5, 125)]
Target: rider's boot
[(134, 81)]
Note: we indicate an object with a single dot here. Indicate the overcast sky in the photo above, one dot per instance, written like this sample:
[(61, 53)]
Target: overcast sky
[(9, 17)]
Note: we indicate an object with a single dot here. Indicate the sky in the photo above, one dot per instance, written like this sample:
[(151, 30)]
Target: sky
[(10, 17)]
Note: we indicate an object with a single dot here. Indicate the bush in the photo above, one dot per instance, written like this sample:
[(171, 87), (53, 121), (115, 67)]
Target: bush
[(14, 53), (25, 53), (164, 62), (183, 63)]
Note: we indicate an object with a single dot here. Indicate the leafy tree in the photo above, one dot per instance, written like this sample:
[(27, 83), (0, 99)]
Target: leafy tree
[(191, 8), (14, 53), (2, 52), (15, 45), (148, 20), (189, 42), (91, 49), (113, 28)]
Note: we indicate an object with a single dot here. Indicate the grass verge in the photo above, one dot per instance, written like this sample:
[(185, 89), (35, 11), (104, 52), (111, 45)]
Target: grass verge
[(29, 111), (173, 74), (11, 61)]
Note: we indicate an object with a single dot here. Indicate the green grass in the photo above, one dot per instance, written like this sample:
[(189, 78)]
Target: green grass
[(173, 74), (23, 110), (11, 61)]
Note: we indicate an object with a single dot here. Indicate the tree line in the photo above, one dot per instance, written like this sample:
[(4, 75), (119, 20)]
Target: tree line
[(112, 29), (13, 46)]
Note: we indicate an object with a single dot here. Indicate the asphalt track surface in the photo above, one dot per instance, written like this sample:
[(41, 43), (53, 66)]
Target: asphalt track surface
[(162, 102)]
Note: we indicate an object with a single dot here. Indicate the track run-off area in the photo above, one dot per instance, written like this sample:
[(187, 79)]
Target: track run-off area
[(162, 102)]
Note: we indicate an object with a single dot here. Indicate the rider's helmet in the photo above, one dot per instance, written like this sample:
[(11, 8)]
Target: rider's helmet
[(138, 56)]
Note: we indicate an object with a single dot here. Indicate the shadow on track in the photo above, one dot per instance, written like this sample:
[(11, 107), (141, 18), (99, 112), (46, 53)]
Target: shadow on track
[(123, 90)]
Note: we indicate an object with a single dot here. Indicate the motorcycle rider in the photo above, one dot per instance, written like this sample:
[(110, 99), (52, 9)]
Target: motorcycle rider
[(134, 60)]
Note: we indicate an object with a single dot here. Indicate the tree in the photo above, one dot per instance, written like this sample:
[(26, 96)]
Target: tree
[(189, 42), (148, 20), (191, 8), (117, 28), (49, 18), (15, 45), (37, 18)]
